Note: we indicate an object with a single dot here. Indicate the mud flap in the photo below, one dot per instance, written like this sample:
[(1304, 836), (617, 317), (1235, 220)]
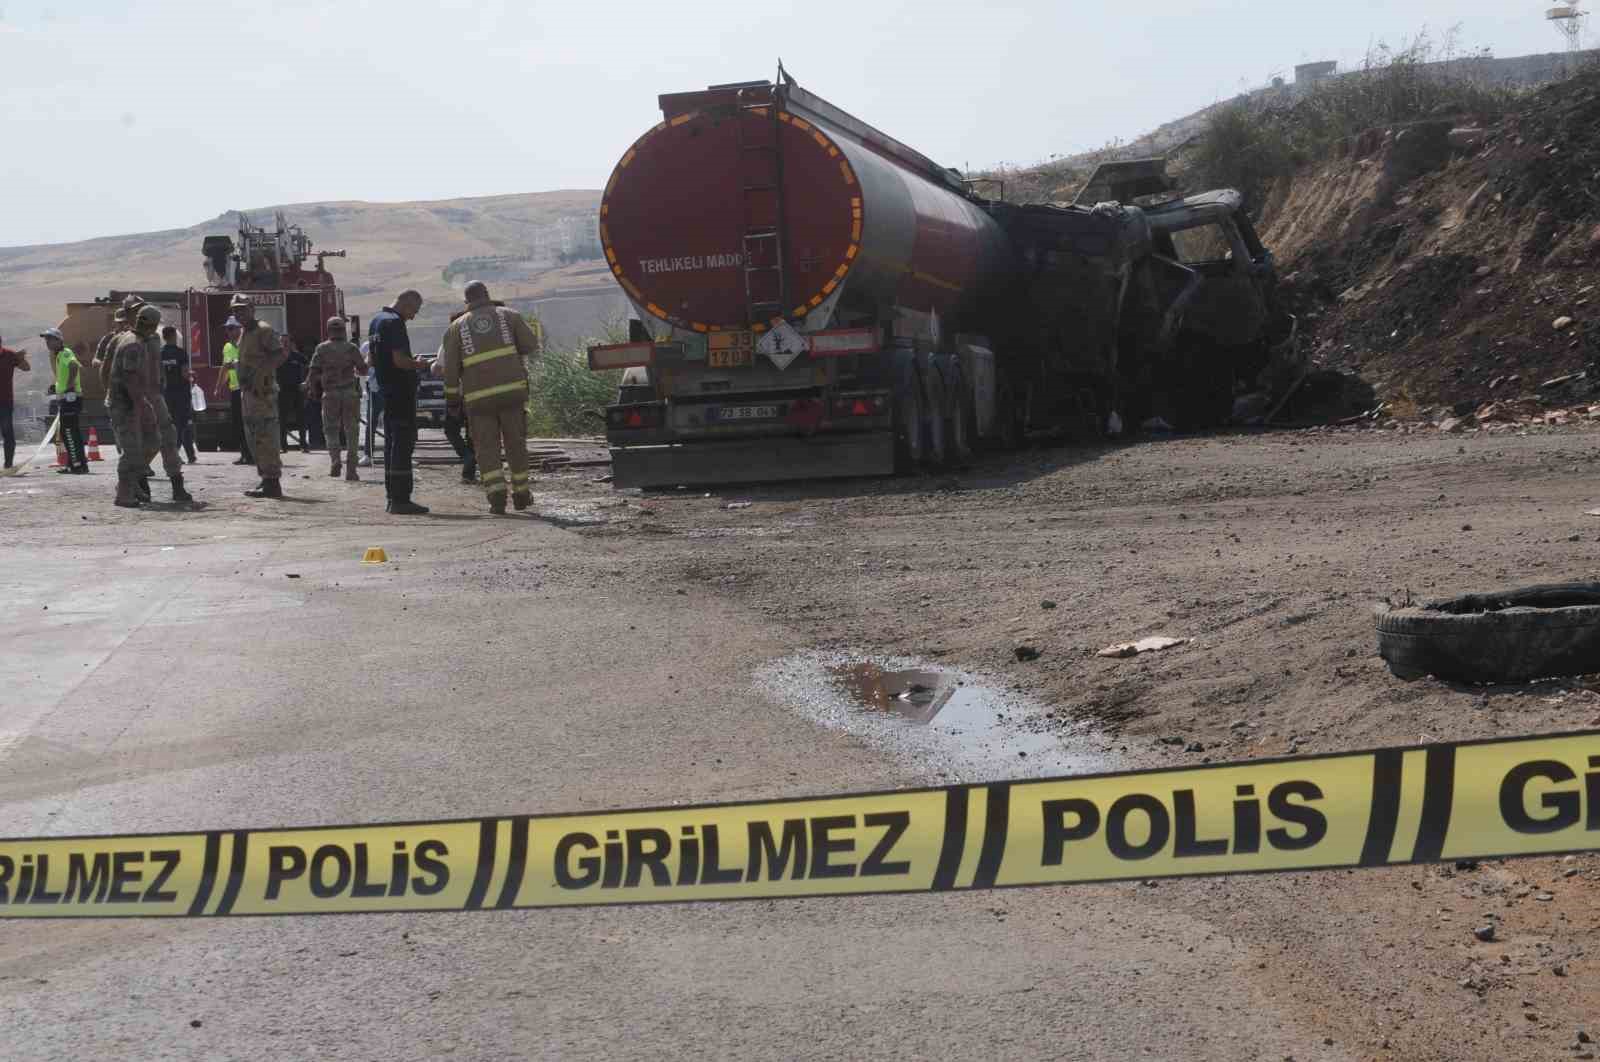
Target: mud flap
[(754, 460)]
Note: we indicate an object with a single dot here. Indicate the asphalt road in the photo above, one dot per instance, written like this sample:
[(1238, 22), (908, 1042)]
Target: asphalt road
[(166, 673)]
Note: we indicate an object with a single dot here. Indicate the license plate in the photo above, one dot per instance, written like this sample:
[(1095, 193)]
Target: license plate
[(742, 413), (729, 359)]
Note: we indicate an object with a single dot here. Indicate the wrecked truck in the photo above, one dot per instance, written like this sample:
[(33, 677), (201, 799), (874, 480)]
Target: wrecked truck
[(814, 298)]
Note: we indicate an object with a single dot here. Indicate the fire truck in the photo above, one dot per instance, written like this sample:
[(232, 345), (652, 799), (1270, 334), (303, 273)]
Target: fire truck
[(272, 267)]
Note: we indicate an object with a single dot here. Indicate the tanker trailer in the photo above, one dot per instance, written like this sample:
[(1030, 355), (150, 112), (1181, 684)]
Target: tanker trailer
[(812, 296)]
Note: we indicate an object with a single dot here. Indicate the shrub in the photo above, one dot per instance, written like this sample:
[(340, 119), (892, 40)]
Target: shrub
[(563, 395), (1248, 143)]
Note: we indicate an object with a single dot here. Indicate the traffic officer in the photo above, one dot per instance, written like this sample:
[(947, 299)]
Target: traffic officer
[(228, 380), (396, 371), (336, 368), (260, 354), (67, 387), (485, 374), (133, 382)]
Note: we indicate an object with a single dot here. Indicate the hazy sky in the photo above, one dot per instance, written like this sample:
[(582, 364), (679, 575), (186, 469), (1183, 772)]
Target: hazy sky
[(126, 117)]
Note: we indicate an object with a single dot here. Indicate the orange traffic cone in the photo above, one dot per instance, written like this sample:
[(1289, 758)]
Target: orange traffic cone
[(94, 446), (61, 453)]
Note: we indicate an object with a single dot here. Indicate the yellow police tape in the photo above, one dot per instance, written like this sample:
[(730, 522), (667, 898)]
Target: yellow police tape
[(1471, 800)]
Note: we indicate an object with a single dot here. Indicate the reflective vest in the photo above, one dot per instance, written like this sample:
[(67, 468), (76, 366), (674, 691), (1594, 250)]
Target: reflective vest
[(483, 355), (230, 360), (68, 376)]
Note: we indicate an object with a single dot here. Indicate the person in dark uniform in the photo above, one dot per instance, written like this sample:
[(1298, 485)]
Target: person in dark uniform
[(455, 422), (397, 370), (176, 380), (291, 401)]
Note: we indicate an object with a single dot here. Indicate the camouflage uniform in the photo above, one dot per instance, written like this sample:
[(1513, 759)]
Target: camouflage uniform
[(336, 366), (124, 394), (156, 427), (260, 354)]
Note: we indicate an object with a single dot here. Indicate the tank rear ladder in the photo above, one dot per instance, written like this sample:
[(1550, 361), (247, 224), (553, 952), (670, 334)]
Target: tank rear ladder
[(760, 146)]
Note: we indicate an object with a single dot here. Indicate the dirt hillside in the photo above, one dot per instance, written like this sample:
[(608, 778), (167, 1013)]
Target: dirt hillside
[(1454, 262), (391, 246)]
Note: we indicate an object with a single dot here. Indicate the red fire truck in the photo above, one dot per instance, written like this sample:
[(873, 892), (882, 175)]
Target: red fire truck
[(270, 267)]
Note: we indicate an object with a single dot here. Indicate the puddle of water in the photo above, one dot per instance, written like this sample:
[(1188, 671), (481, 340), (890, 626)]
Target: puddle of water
[(950, 721)]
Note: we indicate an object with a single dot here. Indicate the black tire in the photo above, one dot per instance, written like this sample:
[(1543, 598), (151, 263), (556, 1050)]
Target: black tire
[(1008, 417), (1531, 633), (934, 413), (961, 425), (908, 438)]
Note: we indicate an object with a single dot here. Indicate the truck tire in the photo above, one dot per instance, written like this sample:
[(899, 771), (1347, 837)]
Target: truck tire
[(935, 412), (961, 421), (908, 437), (1515, 636), (1007, 415)]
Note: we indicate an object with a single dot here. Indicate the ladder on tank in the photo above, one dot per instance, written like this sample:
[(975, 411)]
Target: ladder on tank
[(764, 289)]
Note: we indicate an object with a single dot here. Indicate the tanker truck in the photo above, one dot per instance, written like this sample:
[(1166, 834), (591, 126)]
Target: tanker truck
[(814, 298)]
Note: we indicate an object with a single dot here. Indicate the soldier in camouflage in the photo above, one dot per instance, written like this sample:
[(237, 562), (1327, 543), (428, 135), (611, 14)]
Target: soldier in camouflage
[(336, 368), (131, 384), (260, 354), (156, 427)]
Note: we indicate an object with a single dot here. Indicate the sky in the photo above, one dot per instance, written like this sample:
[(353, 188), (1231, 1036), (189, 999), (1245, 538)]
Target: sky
[(119, 118)]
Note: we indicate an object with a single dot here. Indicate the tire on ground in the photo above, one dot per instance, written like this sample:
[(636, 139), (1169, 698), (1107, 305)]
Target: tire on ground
[(1530, 633)]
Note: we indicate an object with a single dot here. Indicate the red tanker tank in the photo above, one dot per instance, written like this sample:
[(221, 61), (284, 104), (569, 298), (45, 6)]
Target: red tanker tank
[(760, 201)]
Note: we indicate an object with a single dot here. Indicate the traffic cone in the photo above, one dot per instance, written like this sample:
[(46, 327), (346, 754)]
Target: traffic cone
[(61, 453), (94, 445)]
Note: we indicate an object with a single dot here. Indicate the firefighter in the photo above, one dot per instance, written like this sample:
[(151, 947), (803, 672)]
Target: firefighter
[(260, 354), (131, 382), (396, 372), (68, 390), (485, 375), (336, 369)]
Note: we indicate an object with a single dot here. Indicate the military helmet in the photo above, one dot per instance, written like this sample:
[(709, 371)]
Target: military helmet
[(149, 315), (336, 322)]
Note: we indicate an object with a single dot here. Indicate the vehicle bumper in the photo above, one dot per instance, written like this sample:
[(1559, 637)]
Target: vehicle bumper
[(754, 460)]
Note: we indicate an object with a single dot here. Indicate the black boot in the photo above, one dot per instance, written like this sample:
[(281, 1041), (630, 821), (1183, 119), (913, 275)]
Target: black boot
[(180, 495), (270, 488), (405, 507), (142, 488)]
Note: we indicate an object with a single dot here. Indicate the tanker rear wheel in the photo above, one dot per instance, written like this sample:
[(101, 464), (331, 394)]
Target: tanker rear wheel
[(937, 451), (908, 448), (961, 424)]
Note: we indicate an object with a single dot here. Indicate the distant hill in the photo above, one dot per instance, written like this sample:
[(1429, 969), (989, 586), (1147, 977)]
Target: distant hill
[(392, 246)]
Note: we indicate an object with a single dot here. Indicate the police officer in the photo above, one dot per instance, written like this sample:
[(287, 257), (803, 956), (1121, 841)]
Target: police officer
[(176, 379), (485, 375), (132, 383), (228, 380), (260, 354), (396, 371), (67, 387), (336, 369)]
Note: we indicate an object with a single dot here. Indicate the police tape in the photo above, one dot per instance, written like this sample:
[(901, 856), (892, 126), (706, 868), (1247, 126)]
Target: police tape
[(1469, 800)]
